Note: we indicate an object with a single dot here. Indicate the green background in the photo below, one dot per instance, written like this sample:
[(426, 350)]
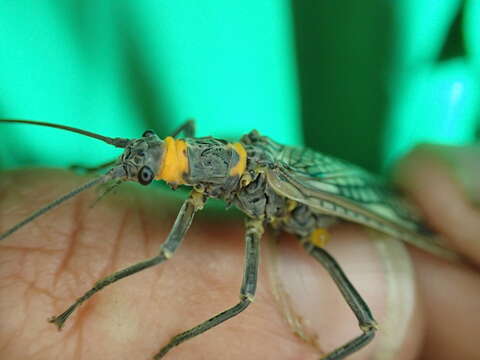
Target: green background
[(363, 80)]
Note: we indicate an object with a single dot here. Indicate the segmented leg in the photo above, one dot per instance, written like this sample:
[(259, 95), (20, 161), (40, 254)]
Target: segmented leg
[(167, 249), (188, 129), (254, 231), (361, 310)]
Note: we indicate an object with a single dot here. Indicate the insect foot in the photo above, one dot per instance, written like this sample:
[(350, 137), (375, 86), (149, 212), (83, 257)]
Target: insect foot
[(60, 319)]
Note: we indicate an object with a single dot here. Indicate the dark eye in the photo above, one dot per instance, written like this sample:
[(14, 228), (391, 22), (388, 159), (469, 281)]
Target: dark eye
[(145, 175), (141, 153), (148, 133)]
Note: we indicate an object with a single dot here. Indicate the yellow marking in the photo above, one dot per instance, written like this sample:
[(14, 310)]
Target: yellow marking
[(250, 297), (246, 179), (242, 161), (369, 327), (166, 253), (291, 205), (319, 237), (174, 163), (197, 200)]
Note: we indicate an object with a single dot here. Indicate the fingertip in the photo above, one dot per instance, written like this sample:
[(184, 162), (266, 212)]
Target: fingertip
[(443, 181), (450, 293)]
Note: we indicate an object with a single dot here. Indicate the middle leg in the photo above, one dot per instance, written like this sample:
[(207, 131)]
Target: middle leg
[(254, 231)]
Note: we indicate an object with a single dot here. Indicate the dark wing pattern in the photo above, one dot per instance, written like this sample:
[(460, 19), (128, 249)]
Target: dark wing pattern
[(336, 187)]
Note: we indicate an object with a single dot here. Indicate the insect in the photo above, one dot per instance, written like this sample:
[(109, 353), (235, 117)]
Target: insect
[(291, 189)]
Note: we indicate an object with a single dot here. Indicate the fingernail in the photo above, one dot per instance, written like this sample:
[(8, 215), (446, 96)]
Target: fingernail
[(402, 323)]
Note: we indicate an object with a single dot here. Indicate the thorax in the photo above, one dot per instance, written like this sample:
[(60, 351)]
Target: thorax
[(236, 173)]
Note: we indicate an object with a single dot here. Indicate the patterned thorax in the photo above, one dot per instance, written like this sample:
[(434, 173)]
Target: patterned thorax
[(213, 166)]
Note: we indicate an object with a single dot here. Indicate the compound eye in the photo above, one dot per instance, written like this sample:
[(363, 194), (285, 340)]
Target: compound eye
[(148, 133), (145, 175)]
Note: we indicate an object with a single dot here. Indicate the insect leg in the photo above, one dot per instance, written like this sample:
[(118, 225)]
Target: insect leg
[(254, 231), (188, 129), (361, 310), (182, 223), (93, 169)]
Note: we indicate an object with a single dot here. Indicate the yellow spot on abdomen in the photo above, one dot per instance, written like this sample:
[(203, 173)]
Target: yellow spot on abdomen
[(319, 237), (239, 168), (174, 162)]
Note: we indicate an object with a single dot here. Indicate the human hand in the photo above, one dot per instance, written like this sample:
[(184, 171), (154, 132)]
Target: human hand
[(46, 265)]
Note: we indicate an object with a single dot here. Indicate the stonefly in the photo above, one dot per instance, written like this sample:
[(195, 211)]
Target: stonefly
[(291, 189)]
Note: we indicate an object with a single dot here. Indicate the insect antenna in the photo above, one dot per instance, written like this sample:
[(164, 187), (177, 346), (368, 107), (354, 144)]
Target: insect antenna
[(107, 191), (54, 204), (117, 142), (114, 173)]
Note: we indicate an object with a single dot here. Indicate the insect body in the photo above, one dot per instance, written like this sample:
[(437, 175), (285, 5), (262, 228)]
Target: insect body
[(291, 189)]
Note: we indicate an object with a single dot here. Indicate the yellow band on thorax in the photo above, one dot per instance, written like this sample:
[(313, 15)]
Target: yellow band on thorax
[(242, 161), (174, 162)]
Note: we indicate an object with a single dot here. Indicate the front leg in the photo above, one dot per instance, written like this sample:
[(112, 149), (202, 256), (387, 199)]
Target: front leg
[(182, 223), (254, 231)]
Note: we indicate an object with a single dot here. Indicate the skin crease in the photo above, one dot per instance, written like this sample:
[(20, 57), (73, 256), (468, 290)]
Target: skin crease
[(47, 264)]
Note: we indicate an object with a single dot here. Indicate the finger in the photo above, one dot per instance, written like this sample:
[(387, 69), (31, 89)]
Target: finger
[(449, 295), (444, 181), (380, 269)]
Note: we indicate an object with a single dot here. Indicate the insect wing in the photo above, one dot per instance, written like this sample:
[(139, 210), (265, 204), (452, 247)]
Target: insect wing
[(335, 187)]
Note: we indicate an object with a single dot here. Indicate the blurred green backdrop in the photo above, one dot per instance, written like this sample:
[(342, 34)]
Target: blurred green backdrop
[(362, 80)]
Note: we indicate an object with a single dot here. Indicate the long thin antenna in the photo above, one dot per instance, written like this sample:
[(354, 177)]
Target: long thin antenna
[(54, 204), (117, 142)]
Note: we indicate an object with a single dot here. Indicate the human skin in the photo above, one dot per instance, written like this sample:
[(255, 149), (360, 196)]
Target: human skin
[(47, 264)]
